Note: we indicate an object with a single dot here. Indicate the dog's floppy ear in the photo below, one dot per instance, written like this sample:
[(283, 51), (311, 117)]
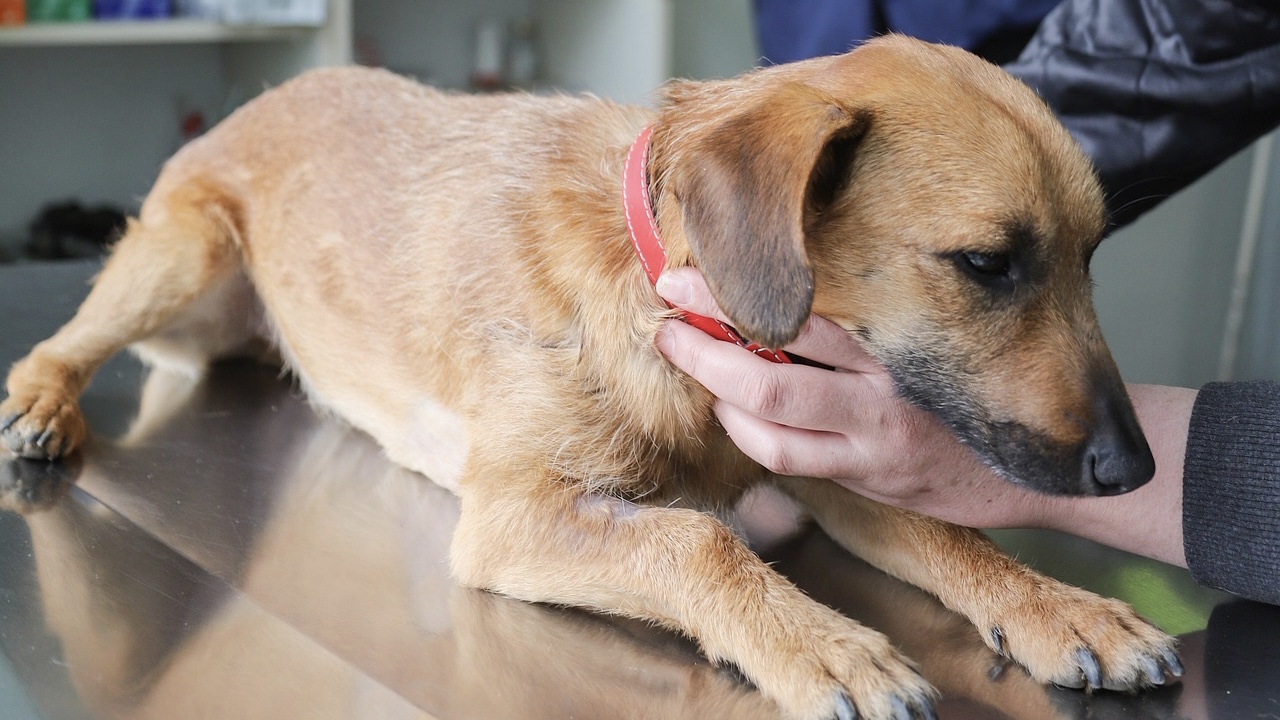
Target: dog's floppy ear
[(744, 181)]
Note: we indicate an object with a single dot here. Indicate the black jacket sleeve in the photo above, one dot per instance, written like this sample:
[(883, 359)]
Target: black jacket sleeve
[(1157, 92), (1231, 489)]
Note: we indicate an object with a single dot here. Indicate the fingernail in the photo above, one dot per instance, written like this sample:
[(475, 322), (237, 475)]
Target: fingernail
[(675, 290)]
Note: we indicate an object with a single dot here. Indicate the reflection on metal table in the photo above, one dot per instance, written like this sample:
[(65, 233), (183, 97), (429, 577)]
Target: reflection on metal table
[(219, 550)]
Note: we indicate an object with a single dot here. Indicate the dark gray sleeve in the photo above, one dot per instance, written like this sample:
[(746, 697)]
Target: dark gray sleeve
[(1157, 92), (1231, 489)]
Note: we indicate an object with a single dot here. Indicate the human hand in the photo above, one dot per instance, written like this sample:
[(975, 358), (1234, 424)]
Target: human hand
[(847, 424)]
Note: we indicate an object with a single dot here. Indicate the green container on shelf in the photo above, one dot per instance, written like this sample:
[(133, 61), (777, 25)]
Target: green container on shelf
[(59, 10)]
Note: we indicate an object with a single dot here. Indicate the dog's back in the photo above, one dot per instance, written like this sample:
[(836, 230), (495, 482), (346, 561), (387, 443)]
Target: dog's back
[(399, 238)]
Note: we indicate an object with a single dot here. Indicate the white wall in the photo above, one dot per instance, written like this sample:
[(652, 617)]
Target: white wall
[(66, 113), (1259, 356), (712, 38), (613, 48), (619, 50), (1163, 283), (432, 40)]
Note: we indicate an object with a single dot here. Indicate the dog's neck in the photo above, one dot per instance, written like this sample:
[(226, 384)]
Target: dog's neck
[(642, 226)]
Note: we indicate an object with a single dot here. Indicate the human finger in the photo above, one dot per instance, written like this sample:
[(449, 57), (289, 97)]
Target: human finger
[(794, 395), (788, 450), (819, 339)]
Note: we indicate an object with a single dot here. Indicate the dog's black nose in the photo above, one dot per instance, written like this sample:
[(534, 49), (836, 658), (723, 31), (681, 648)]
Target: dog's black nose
[(1117, 458)]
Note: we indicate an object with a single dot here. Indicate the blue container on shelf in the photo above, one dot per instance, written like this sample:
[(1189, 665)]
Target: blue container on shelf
[(131, 9)]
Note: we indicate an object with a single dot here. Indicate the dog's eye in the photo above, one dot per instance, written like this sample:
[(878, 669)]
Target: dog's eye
[(986, 267), (988, 263)]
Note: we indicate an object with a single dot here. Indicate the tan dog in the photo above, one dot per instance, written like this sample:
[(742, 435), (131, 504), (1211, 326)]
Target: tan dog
[(454, 275)]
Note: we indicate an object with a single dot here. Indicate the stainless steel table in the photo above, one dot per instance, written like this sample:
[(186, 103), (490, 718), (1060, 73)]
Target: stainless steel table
[(220, 551)]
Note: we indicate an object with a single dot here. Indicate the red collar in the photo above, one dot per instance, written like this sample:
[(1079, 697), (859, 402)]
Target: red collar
[(643, 228)]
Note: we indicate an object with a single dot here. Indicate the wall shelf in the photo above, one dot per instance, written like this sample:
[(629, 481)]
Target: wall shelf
[(147, 32)]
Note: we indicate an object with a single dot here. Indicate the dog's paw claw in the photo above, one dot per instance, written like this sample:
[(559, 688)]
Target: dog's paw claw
[(41, 428), (1090, 671), (997, 641), (1155, 674), (844, 707), (1161, 670), (1172, 662), (915, 707)]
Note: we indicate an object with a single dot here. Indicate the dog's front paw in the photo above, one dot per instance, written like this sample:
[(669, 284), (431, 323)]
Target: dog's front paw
[(1074, 638), (846, 671), (41, 424)]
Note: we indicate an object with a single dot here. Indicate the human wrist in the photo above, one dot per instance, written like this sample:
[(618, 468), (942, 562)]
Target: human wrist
[(1043, 511)]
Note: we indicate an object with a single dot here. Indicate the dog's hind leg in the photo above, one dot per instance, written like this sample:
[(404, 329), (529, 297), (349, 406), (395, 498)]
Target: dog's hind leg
[(180, 248), (542, 539), (1060, 633)]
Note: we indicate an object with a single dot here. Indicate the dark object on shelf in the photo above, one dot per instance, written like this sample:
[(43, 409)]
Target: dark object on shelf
[(69, 230)]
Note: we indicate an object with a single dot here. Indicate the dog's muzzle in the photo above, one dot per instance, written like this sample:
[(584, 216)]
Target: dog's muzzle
[(1111, 459)]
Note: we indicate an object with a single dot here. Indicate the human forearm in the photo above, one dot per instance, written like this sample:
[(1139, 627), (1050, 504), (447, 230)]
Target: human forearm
[(1147, 521)]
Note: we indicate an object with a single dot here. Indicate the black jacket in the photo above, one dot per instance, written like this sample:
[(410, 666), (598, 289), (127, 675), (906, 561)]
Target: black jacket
[(1157, 92)]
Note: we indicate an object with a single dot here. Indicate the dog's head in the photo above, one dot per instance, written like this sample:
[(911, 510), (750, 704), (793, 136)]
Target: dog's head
[(931, 204)]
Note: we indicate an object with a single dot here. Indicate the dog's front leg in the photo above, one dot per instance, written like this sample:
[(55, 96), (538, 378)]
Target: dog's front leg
[(542, 539), (1060, 633)]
